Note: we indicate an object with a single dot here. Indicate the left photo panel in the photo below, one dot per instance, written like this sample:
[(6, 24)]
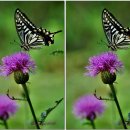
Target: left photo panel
[(32, 65)]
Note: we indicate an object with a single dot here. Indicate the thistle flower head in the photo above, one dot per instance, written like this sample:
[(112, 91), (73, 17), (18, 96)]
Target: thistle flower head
[(16, 62), (104, 62), (8, 107), (88, 107)]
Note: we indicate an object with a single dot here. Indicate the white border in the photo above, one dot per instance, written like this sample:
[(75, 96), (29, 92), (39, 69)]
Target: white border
[(65, 63)]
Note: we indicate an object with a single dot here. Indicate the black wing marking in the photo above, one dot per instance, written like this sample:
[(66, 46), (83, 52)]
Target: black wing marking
[(118, 37)]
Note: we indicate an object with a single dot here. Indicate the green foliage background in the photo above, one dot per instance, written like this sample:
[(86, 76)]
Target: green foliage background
[(85, 38), (46, 85)]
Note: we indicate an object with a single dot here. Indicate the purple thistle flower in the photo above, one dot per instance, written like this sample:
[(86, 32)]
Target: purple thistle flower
[(89, 107), (8, 107), (16, 62), (107, 61)]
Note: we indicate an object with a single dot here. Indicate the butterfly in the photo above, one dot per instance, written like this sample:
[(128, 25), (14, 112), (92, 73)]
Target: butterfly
[(30, 36), (118, 37)]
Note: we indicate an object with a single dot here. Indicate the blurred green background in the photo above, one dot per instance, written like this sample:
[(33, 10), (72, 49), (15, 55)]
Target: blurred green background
[(46, 85), (85, 38)]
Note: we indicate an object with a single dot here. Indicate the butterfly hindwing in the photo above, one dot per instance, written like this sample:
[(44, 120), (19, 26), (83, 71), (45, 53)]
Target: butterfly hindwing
[(116, 34)]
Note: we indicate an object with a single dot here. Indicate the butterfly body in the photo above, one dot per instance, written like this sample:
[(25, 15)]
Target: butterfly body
[(30, 36), (118, 37)]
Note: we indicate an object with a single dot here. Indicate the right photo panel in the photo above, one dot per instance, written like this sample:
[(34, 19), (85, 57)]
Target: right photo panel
[(98, 66)]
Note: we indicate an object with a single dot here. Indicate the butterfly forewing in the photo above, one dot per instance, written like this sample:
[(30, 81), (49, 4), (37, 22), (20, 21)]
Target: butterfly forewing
[(26, 31), (116, 34)]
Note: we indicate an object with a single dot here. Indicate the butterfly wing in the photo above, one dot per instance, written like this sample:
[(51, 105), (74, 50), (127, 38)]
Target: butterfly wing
[(116, 34), (27, 32)]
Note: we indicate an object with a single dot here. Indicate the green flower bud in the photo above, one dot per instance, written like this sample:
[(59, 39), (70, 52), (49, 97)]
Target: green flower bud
[(20, 77), (107, 77)]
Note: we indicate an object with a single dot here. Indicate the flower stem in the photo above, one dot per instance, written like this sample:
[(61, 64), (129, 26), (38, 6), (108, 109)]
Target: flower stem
[(117, 104), (93, 124), (5, 124), (30, 104)]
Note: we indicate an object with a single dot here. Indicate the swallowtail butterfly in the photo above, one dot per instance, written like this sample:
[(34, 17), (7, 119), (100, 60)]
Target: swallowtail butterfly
[(30, 36), (118, 37)]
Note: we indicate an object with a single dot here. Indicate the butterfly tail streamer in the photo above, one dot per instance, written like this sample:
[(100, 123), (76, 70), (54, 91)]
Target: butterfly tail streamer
[(57, 32)]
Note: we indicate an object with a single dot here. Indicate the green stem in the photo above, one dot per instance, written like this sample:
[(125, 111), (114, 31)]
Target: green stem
[(5, 124), (117, 104), (93, 124), (30, 104)]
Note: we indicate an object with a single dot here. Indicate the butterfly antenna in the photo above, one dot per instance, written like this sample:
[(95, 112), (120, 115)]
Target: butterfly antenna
[(101, 41), (57, 32), (14, 42)]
